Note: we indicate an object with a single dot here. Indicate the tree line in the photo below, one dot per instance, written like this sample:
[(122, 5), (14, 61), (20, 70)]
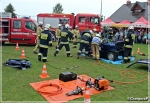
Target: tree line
[(57, 9)]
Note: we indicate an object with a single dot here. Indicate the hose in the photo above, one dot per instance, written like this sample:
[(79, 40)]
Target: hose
[(132, 76), (50, 93)]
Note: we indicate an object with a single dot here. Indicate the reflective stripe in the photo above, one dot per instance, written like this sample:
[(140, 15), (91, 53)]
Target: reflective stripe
[(67, 51), (19, 33), (44, 57), (39, 53), (83, 41), (125, 57), (127, 40), (44, 46), (87, 34), (79, 51), (86, 52), (50, 42), (64, 42), (128, 46)]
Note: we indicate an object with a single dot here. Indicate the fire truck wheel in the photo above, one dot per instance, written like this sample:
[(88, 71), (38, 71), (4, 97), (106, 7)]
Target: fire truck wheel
[(111, 56)]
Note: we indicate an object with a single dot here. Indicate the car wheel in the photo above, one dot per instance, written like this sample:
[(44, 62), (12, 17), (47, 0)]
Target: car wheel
[(111, 56)]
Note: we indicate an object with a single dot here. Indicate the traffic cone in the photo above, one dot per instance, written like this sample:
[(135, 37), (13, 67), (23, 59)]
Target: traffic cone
[(44, 72), (138, 51), (17, 47), (23, 54), (87, 95)]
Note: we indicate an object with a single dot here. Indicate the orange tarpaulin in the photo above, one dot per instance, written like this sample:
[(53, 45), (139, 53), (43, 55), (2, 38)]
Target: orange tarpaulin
[(67, 87)]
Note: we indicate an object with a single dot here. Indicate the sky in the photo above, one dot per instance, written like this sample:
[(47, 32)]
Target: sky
[(34, 7)]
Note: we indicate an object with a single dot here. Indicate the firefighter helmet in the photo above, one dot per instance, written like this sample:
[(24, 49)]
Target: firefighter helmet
[(97, 35), (67, 26), (40, 23), (91, 31), (47, 26), (131, 27), (94, 29), (59, 25), (76, 26)]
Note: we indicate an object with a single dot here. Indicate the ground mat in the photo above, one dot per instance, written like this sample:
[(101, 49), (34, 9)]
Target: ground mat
[(66, 87), (118, 61)]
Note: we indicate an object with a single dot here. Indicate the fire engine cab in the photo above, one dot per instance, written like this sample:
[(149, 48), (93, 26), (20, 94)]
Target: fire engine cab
[(82, 20), (13, 30)]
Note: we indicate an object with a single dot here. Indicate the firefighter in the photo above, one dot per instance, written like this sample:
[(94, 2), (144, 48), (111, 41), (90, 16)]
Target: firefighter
[(65, 34), (85, 43), (76, 36), (72, 31), (45, 41), (38, 32), (96, 41), (94, 32), (58, 30), (110, 32), (128, 45)]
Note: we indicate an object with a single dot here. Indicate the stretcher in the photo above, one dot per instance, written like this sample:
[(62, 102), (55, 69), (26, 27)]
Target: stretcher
[(142, 61)]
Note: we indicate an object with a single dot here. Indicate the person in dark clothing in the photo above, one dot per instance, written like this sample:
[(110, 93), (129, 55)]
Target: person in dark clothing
[(128, 45), (45, 41), (65, 34), (85, 42)]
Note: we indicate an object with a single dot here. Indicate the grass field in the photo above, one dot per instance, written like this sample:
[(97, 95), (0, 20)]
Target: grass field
[(15, 82)]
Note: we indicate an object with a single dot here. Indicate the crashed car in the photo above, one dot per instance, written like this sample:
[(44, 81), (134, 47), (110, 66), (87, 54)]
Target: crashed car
[(111, 50)]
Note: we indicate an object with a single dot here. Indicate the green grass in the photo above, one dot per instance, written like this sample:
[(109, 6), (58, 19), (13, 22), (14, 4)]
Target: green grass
[(15, 83)]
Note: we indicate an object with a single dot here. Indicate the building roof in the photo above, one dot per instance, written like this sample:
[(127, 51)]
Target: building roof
[(125, 12)]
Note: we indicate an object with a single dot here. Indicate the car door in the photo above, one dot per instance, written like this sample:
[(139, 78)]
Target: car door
[(30, 29)]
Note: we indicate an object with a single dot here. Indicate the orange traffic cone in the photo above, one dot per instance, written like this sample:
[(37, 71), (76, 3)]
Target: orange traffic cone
[(17, 47), (87, 95), (138, 51), (44, 72), (23, 54)]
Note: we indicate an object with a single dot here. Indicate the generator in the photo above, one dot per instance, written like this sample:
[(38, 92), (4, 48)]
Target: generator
[(67, 76), (101, 83)]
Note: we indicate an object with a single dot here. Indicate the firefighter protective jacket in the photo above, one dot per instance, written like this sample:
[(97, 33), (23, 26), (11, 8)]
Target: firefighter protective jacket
[(45, 39), (130, 39), (86, 38), (38, 31), (58, 33), (76, 33), (65, 33)]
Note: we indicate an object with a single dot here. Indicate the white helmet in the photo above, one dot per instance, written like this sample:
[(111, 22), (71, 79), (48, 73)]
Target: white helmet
[(91, 31), (40, 23), (94, 29), (131, 27), (76, 26), (67, 26), (59, 25), (47, 26), (97, 35)]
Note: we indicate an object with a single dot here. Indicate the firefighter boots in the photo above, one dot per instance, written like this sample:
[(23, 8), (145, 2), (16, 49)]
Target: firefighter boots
[(69, 55), (39, 57), (78, 54), (56, 52)]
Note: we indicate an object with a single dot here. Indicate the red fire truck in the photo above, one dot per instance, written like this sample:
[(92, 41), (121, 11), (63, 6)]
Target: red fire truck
[(82, 20), (13, 30)]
